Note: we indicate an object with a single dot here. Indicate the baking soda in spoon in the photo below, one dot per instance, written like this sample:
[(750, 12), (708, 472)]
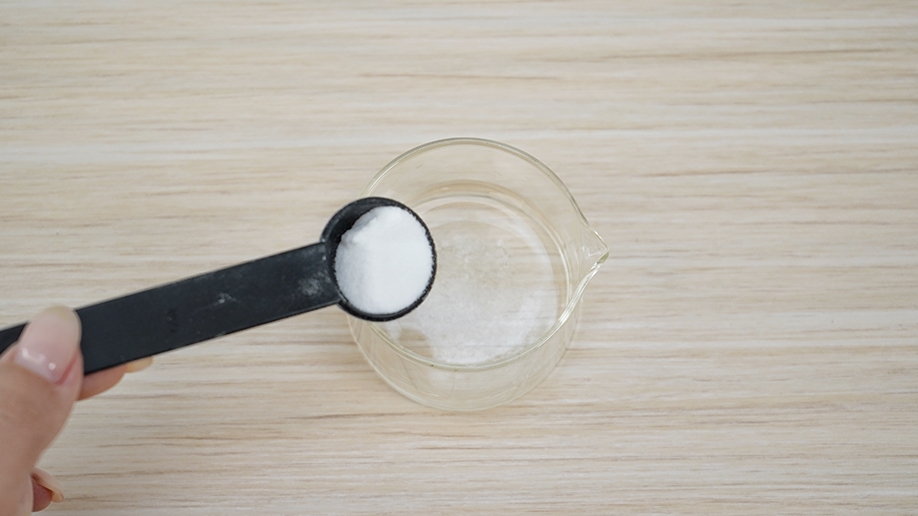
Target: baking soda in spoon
[(384, 263)]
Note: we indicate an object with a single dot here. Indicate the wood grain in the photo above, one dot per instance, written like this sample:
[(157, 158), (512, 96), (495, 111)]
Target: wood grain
[(750, 347)]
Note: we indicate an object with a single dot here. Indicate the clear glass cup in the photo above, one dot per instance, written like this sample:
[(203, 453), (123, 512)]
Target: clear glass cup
[(514, 255)]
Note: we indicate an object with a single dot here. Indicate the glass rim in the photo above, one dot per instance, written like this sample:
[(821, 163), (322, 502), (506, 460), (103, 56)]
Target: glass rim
[(572, 303)]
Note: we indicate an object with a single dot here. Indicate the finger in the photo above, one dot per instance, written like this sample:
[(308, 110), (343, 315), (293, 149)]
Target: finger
[(41, 497), (101, 381), (139, 365), (45, 489), (104, 380), (40, 378)]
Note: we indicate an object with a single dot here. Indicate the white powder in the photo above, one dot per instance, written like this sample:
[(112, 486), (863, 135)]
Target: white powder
[(384, 262), (500, 285)]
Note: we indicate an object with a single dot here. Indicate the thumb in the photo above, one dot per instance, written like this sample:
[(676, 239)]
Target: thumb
[(40, 379)]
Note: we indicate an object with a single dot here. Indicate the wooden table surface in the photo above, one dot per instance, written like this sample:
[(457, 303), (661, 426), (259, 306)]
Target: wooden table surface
[(751, 346)]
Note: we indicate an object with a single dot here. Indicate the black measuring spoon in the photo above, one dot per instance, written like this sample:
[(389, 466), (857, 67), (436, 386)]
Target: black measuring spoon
[(225, 301)]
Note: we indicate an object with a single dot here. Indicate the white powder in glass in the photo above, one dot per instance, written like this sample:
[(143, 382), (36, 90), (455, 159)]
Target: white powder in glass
[(384, 262), (501, 285)]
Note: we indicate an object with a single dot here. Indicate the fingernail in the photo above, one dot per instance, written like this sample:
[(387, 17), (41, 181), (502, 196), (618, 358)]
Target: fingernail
[(44, 479), (138, 365), (49, 343)]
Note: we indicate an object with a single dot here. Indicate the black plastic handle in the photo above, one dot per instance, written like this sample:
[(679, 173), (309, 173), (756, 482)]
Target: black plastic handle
[(217, 303), (202, 307)]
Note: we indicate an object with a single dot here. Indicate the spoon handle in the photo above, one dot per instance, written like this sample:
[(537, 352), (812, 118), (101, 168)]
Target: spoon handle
[(202, 307)]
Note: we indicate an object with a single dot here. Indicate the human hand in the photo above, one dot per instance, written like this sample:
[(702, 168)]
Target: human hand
[(41, 376)]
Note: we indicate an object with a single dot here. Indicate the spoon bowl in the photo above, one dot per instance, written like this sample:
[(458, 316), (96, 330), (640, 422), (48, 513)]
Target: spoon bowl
[(341, 223)]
